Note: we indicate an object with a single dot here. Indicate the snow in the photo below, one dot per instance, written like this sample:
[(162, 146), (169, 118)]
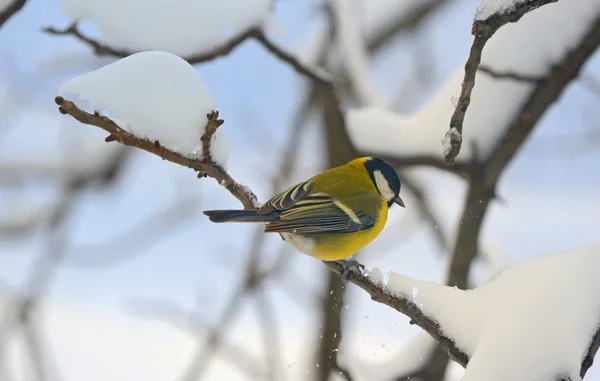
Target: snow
[(182, 27), (353, 50), (488, 8), (530, 46), (534, 321), (451, 135), (155, 96)]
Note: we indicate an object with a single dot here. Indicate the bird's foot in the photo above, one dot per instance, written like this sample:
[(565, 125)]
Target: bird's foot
[(350, 265)]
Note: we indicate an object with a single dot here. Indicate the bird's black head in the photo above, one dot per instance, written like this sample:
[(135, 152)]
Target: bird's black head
[(386, 180)]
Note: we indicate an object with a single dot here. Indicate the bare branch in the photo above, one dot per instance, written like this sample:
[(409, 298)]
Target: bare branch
[(242, 193), (10, 10), (177, 315), (101, 49), (483, 30), (510, 75)]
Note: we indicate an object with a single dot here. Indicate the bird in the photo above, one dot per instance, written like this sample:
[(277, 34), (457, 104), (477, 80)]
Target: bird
[(331, 215)]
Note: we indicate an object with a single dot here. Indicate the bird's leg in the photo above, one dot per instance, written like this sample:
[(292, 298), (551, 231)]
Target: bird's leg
[(348, 266)]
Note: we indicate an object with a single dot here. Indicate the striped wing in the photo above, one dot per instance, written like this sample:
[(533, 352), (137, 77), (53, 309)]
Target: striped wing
[(286, 199), (318, 213)]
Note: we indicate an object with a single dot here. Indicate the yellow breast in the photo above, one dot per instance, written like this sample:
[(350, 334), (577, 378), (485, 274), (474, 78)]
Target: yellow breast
[(342, 245)]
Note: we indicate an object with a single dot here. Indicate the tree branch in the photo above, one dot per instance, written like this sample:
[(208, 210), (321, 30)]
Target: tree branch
[(485, 176), (209, 168), (248, 199), (483, 30), (101, 49), (510, 75), (381, 294), (10, 10), (481, 191)]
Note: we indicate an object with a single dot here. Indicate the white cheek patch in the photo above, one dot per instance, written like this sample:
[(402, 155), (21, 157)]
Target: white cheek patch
[(383, 186)]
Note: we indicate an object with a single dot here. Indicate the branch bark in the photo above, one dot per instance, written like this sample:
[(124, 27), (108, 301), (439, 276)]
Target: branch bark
[(485, 176), (101, 49), (11, 10), (483, 30), (209, 168)]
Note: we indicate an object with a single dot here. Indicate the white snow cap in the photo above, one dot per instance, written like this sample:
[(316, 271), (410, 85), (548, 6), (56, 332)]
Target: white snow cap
[(529, 47), (155, 96), (182, 27), (488, 8), (533, 322)]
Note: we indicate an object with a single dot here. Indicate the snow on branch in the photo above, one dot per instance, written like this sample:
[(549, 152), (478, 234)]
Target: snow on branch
[(484, 27), (163, 107), (548, 36), (119, 134), (501, 330), (8, 9)]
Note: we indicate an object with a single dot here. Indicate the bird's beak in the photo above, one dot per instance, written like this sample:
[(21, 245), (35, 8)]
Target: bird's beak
[(399, 201)]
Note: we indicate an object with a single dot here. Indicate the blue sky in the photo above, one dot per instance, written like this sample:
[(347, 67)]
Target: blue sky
[(552, 202)]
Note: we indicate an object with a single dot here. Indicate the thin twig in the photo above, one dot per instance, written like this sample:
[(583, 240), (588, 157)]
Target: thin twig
[(483, 30), (101, 49), (510, 75)]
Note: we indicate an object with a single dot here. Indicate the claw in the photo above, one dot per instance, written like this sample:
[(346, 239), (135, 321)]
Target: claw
[(349, 265)]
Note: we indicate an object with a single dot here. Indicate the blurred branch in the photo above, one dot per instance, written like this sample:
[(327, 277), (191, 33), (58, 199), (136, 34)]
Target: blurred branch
[(10, 10), (510, 75), (176, 315), (127, 244), (404, 21), (101, 49), (266, 317), (425, 210), (483, 30)]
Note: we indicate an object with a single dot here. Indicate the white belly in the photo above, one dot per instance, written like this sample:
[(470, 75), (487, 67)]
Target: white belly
[(301, 243)]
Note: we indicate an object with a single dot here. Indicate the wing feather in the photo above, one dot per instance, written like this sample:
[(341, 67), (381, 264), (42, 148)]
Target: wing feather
[(317, 214)]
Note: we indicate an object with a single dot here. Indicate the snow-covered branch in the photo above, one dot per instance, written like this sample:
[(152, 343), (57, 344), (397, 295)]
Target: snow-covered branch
[(404, 304), (487, 22), (208, 168), (9, 10)]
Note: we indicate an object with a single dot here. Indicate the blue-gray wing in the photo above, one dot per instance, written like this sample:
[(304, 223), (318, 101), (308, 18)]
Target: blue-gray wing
[(318, 214)]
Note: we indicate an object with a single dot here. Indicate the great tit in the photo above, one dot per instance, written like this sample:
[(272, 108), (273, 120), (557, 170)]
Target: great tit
[(331, 215)]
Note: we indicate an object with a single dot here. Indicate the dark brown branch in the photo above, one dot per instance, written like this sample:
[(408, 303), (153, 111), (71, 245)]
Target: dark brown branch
[(510, 75), (242, 193), (483, 30), (485, 176), (588, 360), (11, 10), (405, 306), (101, 49)]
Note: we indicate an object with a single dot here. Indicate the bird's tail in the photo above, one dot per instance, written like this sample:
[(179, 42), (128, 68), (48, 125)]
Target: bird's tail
[(239, 216)]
